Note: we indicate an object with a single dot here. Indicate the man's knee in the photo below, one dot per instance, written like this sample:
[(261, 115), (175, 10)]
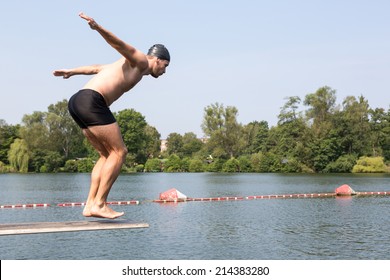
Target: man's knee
[(122, 153)]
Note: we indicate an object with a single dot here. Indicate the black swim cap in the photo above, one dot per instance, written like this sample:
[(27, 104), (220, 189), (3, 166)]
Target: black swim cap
[(159, 51)]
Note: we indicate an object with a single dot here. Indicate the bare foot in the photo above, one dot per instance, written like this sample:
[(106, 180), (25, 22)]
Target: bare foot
[(87, 210), (104, 212)]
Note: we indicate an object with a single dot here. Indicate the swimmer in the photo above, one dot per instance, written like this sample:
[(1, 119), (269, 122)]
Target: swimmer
[(90, 109)]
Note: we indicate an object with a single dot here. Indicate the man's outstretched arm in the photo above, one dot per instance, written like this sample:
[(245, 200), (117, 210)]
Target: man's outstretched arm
[(133, 55), (83, 70)]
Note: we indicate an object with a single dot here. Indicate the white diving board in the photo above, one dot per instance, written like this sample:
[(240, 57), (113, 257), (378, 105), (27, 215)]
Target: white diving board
[(46, 227)]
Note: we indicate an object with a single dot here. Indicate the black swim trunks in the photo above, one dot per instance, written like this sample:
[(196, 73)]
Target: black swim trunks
[(88, 108)]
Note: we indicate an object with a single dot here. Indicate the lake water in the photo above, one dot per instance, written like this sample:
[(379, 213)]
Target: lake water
[(269, 229)]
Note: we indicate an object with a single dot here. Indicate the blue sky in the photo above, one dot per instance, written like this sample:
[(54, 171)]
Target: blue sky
[(247, 54)]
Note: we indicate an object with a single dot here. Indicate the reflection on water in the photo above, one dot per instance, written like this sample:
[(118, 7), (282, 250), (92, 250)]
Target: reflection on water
[(307, 228)]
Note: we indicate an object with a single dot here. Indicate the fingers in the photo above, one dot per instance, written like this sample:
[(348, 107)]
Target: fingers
[(84, 16), (57, 73), (61, 73), (87, 18), (92, 23)]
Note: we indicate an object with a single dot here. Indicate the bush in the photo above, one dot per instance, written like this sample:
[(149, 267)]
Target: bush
[(44, 161), (85, 165), (37, 160), (173, 164), (370, 165), (185, 164), (274, 162), (70, 166), (215, 165), (259, 163), (245, 164), (291, 165), (343, 164), (43, 169), (139, 168), (4, 168), (231, 165), (196, 165), (153, 165), (53, 162)]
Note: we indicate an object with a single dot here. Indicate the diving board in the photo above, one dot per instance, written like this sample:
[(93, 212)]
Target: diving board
[(46, 227)]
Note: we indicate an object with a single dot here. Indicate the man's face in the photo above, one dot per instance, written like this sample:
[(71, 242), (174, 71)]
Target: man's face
[(160, 67)]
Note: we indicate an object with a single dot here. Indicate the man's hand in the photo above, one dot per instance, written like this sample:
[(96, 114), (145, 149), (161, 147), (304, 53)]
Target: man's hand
[(65, 73), (92, 23), (82, 70), (135, 57)]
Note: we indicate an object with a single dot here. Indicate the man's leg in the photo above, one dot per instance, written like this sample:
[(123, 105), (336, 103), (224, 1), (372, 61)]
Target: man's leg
[(108, 141), (95, 182), (95, 175)]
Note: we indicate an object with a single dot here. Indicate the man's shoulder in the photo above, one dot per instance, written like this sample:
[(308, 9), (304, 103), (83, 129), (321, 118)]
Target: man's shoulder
[(139, 61), (125, 65)]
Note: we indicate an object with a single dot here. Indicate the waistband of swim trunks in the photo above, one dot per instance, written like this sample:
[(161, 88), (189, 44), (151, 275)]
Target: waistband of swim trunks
[(94, 92)]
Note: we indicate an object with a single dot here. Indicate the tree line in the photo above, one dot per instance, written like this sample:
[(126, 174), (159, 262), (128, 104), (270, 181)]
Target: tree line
[(323, 137)]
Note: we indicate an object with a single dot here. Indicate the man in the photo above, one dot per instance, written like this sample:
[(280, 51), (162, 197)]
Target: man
[(90, 109)]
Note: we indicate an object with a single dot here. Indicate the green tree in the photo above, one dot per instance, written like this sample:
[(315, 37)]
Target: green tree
[(153, 165), (35, 132), (323, 115), (52, 134), (53, 162), (290, 139), (64, 134), (258, 163), (380, 132), (133, 125), (324, 151), (173, 164), (356, 126), (289, 112), (321, 107), (18, 155), (174, 144), (37, 160), (215, 165), (70, 166), (191, 144), (85, 165), (266, 162), (196, 165), (385, 140), (8, 133), (255, 134), (370, 165), (291, 165), (153, 142), (343, 164), (4, 168), (244, 162), (224, 132), (231, 165)]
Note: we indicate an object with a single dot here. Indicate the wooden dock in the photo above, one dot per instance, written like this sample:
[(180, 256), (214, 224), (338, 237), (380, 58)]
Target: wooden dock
[(46, 227)]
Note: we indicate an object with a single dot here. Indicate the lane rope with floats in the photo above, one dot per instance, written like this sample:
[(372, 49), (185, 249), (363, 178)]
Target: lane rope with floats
[(72, 204), (175, 196), (28, 205)]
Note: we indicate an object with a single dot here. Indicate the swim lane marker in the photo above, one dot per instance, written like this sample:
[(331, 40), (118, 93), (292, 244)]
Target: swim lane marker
[(72, 204), (174, 196), (30, 205)]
